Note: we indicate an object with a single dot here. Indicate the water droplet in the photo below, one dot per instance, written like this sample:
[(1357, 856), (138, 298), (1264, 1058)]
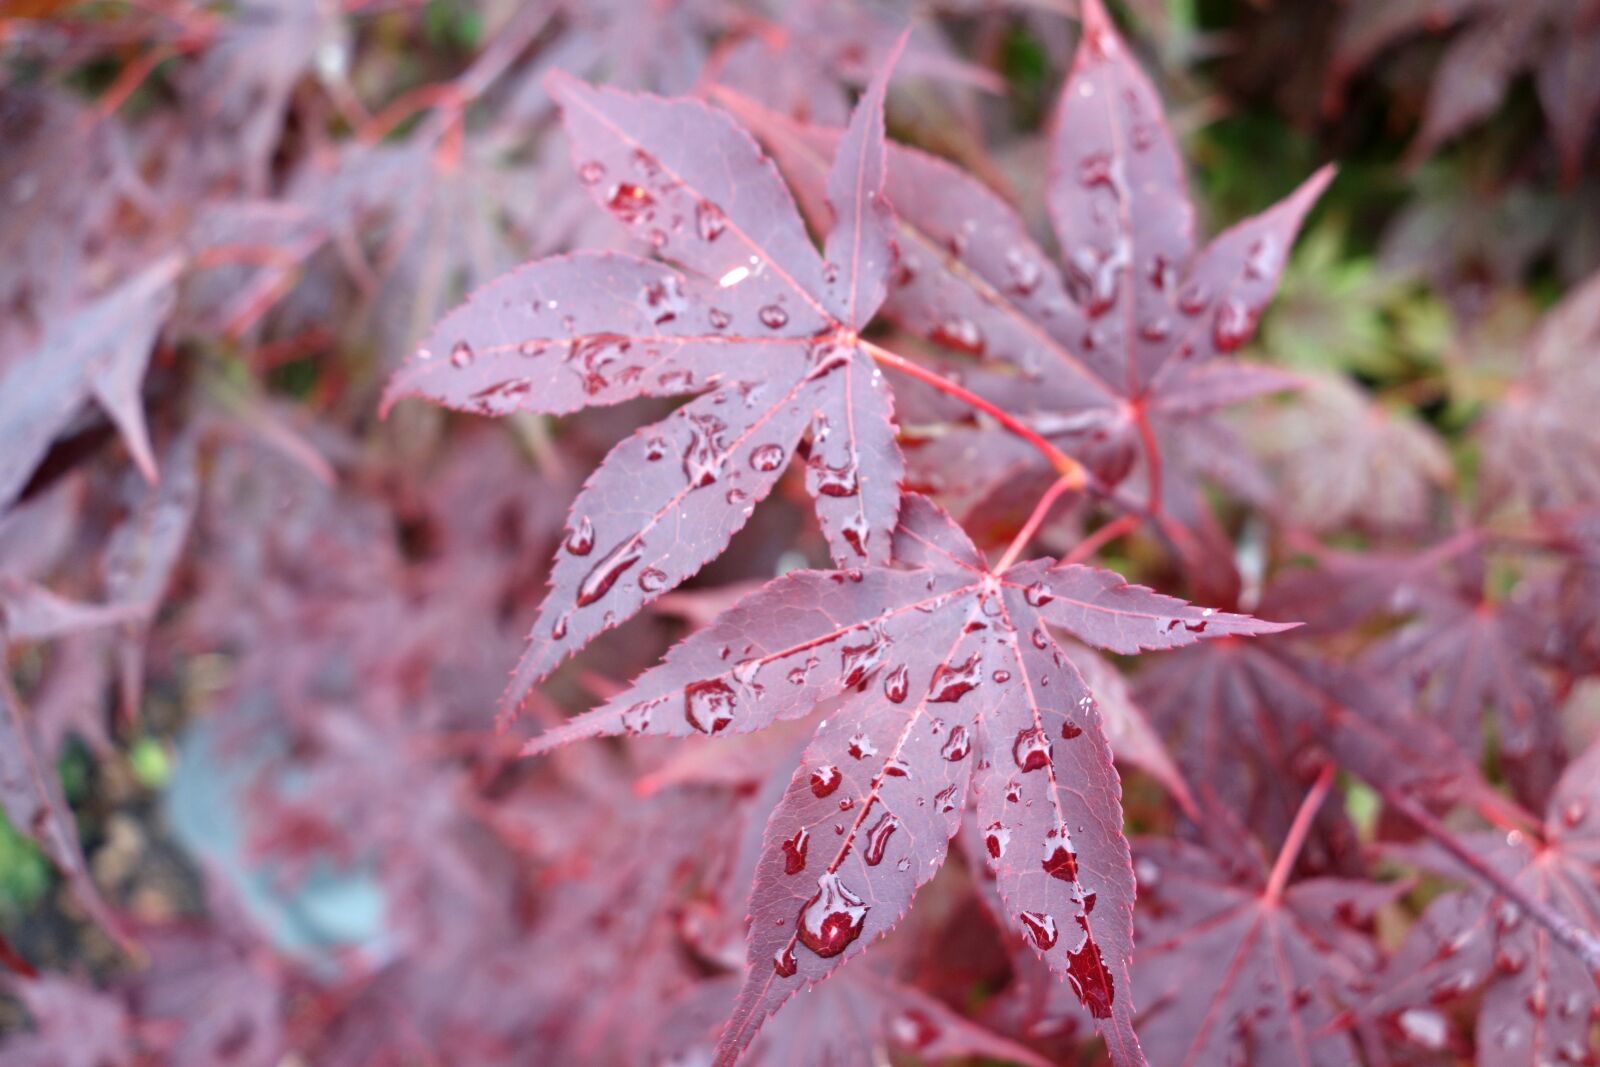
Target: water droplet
[(630, 202), (558, 631), (952, 682), (856, 533), (1038, 595), (1002, 677), (591, 172), (580, 541), (832, 919), (719, 318), (1095, 276), (1041, 640), (664, 300), (783, 962), (794, 851), (913, 1029), (702, 458), (655, 448), (708, 705), (767, 458), (1194, 299), (1575, 812), (896, 684), (1156, 329), (1059, 859), (878, 838), (838, 481), (1262, 260), (960, 333), (502, 398), (1069, 730), (957, 745), (773, 317), (530, 349), (1096, 168), (1041, 928), (595, 357), (709, 221), (995, 839), (1234, 324), (461, 355), (825, 779), (604, 575), (1031, 749), (652, 580), (858, 662), (1025, 271), (636, 719), (860, 746), (946, 799), (896, 768), (1091, 980), (1013, 792)]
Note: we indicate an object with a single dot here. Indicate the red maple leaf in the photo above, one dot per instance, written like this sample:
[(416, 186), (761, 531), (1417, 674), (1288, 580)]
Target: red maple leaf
[(947, 674)]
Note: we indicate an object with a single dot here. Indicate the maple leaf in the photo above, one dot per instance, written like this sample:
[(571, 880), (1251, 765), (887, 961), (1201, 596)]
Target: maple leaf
[(1237, 965), (1491, 43), (1338, 460), (74, 1025), (1540, 999), (1126, 331), (933, 663), (101, 353), (1541, 445), (765, 323), (1465, 655)]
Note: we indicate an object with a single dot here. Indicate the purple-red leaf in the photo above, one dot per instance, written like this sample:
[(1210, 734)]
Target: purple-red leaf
[(938, 668)]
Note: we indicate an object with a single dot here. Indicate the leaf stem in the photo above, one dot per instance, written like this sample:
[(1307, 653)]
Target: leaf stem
[(1101, 537), (1580, 942), (1029, 528), (1152, 456), (1296, 838), (1062, 463)]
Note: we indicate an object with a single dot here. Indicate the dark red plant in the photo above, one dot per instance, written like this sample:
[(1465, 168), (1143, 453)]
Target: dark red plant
[(985, 648)]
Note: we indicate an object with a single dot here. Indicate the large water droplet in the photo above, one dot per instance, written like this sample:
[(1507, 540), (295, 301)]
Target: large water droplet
[(1086, 970), (708, 705), (838, 481), (1031, 749), (1095, 276), (580, 541), (1059, 859), (594, 358), (957, 746), (951, 682), (604, 574), (702, 457), (1041, 929), (1038, 594), (825, 779), (945, 799), (784, 965), (857, 662), (856, 533), (878, 838), (832, 919), (896, 684), (630, 202), (794, 851)]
